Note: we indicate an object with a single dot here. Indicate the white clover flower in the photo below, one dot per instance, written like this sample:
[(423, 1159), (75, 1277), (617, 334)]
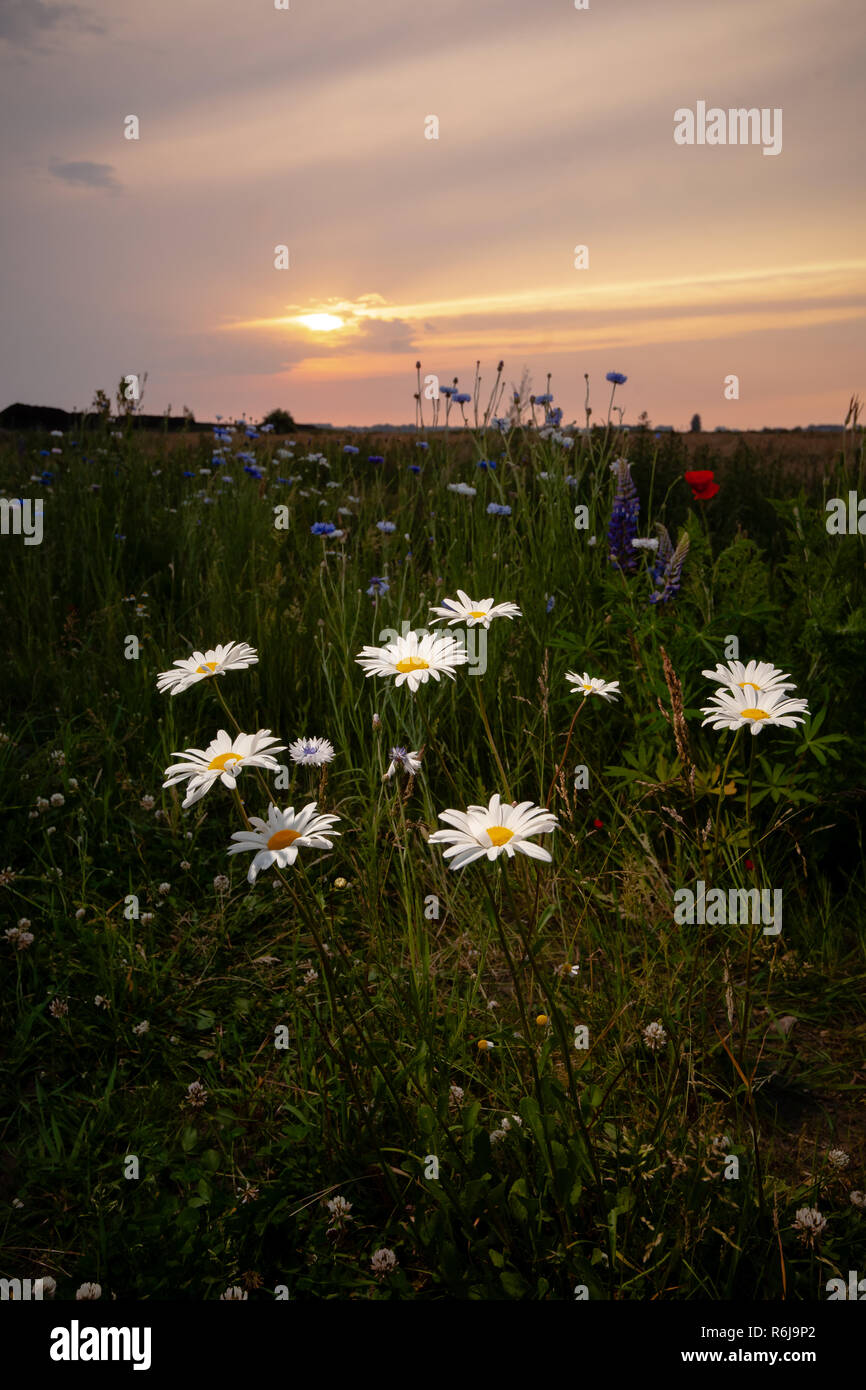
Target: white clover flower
[(809, 1224), (141, 1028), (383, 1261), (654, 1036), (235, 1292), (838, 1158)]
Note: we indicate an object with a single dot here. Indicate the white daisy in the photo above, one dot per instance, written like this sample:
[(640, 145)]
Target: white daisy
[(222, 760), (473, 612), (312, 751), (233, 656), (279, 838), (414, 659), (463, 488), (400, 757), (493, 830), (592, 685), (760, 676), (731, 709)]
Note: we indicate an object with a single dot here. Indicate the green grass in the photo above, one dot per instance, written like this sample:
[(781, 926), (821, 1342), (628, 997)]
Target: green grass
[(611, 1182)]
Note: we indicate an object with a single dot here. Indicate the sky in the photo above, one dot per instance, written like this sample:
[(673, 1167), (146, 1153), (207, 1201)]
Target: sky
[(307, 128)]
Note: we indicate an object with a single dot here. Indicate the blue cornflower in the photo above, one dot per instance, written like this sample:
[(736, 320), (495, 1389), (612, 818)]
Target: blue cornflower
[(496, 509), (322, 528), (616, 378), (550, 602), (386, 526), (246, 458), (544, 400), (421, 444), (375, 458), (350, 449), (44, 453), (623, 519), (486, 463), (462, 398), (187, 474), (47, 478), (447, 391), (414, 468), (253, 471), (554, 418), (378, 585)]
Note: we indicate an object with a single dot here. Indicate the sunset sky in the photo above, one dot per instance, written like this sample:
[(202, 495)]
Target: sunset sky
[(306, 127)]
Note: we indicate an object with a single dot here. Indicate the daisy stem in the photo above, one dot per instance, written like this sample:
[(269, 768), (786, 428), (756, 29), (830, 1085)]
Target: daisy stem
[(237, 796), (722, 784), (555, 1015), (486, 722), (749, 789), (433, 744), (565, 753), (222, 700)]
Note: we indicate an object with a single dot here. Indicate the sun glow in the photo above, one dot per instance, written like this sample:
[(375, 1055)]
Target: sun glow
[(320, 323)]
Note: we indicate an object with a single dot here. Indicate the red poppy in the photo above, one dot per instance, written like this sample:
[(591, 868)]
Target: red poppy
[(702, 483), (599, 824), (749, 864)]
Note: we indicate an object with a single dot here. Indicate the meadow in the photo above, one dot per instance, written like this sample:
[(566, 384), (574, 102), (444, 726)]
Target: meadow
[(368, 1074)]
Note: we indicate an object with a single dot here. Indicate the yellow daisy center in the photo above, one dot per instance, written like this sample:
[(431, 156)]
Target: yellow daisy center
[(222, 760), (478, 613), (412, 663), (754, 714), (283, 838), (208, 668), (499, 835), (743, 684)]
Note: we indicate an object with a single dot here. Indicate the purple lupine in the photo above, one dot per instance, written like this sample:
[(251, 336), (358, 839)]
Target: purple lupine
[(623, 519), (671, 579)]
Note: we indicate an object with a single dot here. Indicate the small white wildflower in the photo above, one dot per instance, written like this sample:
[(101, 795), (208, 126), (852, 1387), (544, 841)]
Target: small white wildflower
[(809, 1224), (196, 1095), (654, 1036), (143, 1027), (235, 1292), (58, 799), (383, 1261), (838, 1158), (89, 1291)]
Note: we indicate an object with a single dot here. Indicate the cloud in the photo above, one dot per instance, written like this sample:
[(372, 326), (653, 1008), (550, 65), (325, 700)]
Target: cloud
[(84, 173), (23, 21)]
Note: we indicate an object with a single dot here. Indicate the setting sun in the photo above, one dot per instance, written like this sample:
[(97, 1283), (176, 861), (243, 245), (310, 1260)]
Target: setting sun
[(321, 323)]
